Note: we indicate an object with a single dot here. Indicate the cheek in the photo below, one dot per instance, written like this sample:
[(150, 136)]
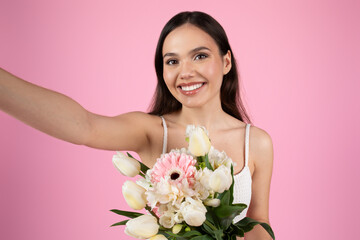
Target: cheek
[(212, 71), (169, 76)]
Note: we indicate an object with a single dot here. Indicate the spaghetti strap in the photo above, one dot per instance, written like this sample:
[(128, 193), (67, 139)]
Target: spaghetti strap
[(247, 144), (165, 135)]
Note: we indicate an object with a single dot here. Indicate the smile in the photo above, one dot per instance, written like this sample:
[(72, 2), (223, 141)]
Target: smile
[(191, 89)]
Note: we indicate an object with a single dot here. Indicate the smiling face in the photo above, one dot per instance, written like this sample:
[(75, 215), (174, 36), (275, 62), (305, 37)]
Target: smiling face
[(193, 67)]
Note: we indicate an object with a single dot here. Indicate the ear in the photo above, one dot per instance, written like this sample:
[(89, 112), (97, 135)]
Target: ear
[(227, 62)]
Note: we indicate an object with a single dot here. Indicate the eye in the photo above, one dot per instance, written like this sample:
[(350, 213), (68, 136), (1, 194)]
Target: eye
[(171, 62), (201, 56)]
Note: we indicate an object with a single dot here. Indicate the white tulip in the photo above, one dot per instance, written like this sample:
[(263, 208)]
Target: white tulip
[(177, 228), (158, 237), (212, 202), (134, 195), (126, 165), (199, 142), (193, 212), (221, 179), (142, 227)]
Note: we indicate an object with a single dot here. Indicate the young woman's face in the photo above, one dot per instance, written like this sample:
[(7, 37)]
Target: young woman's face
[(193, 66)]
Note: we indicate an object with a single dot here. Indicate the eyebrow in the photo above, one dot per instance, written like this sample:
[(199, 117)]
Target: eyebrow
[(192, 51)]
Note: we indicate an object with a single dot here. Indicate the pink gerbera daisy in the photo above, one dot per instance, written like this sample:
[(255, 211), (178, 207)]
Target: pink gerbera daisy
[(175, 167)]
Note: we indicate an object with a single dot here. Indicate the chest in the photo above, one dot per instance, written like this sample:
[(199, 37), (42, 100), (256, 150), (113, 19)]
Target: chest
[(231, 141)]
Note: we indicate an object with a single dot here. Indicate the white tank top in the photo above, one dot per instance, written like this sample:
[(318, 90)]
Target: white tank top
[(242, 180)]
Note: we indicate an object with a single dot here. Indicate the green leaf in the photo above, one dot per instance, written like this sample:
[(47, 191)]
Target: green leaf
[(225, 198), (143, 167), (268, 229), (203, 237), (238, 231), (211, 217), (208, 229), (192, 233), (126, 213), (225, 211), (120, 223), (231, 189), (207, 163), (247, 224), (172, 234), (218, 234)]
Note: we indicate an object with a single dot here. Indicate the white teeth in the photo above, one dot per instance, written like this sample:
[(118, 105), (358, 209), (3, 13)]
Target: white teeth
[(192, 87)]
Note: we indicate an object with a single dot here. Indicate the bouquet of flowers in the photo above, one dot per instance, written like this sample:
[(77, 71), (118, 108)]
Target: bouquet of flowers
[(188, 194)]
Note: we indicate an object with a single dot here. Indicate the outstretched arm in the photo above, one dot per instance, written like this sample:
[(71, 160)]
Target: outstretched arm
[(60, 116)]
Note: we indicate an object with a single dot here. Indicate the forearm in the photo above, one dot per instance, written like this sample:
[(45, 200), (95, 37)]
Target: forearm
[(46, 110)]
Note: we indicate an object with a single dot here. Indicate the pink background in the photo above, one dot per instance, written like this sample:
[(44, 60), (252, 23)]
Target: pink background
[(300, 67)]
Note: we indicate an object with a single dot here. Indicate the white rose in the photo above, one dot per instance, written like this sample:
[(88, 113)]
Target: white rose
[(162, 192), (204, 177), (202, 192), (221, 179), (178, 217), (126, 165), (199, 142), (193, 212), (134, 195), (142, 227), (217, 158), (167, 219)]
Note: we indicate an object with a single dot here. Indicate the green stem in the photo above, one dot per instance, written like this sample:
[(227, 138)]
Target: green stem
[(151, 212), (210, 225), (161, 228)]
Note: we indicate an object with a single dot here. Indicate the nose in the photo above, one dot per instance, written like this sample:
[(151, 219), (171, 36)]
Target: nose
[(187, 70)]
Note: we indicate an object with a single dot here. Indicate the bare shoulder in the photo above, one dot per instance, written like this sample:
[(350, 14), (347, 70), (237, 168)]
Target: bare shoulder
[(261, 146), (146, 123), (141, 122), (138, 116)]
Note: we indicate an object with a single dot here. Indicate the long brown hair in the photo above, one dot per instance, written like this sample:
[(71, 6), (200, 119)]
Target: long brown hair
[(164, 102)]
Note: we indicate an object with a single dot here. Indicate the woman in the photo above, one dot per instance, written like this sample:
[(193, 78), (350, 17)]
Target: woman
[(197, 84)]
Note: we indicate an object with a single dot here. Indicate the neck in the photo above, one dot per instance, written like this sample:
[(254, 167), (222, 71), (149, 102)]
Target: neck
[(210, 115)]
